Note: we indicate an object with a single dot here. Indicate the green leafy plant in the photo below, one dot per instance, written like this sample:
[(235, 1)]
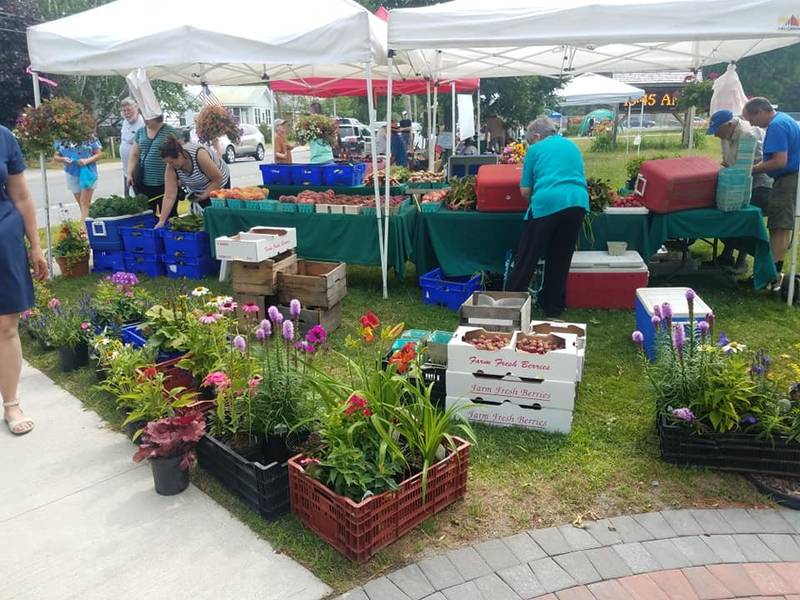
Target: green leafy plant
[(728, 395), (72, 244), (190, 223), (118, 206), (149, 400), (68, 326), (601, 194), (698, 94), (119, 300), (603, 142)]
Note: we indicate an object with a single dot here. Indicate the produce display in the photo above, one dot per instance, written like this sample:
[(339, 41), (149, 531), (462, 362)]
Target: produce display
[(601, 194), (186, 223), (394, 201), (426, 177), (398, 175), (536, 345), (490, 342), (118, 206), (629, 201), (245, 193), (463, 195), (435, 196)]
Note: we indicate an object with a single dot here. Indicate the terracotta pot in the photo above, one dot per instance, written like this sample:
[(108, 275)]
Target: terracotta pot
[(71, 268)]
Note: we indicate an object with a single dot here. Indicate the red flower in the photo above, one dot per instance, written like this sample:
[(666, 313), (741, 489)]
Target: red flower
[(370, 320), (403, 357), (150, 372), (356, 404)]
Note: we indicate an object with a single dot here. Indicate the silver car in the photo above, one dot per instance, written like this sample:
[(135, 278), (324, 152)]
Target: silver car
[(251, 143)]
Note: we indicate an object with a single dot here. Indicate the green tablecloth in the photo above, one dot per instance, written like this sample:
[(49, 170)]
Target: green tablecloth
[(462, 243), (347, 238), (709, 222), (276, 191)]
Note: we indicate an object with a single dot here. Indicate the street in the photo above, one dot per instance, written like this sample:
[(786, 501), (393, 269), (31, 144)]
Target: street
[(244, 172)]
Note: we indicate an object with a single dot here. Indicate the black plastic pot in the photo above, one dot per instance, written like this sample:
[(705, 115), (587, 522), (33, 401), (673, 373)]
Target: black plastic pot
[(44, 344), (776, 495), (72, 358), (134, 426), (168, 477), (204, 392)]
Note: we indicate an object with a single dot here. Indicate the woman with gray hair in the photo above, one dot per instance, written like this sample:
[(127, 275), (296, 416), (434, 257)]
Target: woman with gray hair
[(132, 122), (554, 181)]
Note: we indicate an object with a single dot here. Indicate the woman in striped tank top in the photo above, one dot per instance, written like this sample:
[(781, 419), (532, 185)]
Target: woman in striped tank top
[(194, 167)]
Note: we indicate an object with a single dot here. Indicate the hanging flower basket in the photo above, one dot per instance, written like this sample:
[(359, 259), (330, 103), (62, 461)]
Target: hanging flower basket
[(55, 119)]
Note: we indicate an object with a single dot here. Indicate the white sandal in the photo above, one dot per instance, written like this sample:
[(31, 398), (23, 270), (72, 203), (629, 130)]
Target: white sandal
[(20, 426)]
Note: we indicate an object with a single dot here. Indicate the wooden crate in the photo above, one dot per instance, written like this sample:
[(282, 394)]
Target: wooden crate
[(498, 317), (261, 279), (315, 284), (330, 319)]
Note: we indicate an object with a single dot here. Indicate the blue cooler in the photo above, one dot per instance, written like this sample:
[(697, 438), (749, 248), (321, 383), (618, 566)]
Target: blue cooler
[(647, 298), (104, 233)]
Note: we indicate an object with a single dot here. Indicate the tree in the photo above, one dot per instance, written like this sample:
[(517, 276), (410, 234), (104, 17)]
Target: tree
[(16, 91), (516, 100)]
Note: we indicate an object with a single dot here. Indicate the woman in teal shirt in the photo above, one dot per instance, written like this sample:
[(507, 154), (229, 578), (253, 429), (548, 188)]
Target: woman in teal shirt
[(554, 180)]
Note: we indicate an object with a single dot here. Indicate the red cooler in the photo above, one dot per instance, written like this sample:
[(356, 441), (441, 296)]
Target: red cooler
[(599, 280), (672, 184), (497, 187)]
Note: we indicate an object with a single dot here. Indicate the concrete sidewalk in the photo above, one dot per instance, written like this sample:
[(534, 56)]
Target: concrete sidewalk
[(78, 519)]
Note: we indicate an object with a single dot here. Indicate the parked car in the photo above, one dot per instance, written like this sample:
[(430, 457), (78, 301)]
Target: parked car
[(355, 136), (636, 121), (251, 143)]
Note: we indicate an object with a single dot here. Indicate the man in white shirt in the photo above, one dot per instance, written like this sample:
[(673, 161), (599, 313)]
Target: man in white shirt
[(132, 122)]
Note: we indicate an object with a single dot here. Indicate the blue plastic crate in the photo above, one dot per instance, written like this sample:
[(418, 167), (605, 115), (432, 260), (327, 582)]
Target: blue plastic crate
[(131, 335), (276, 174), (350, 175), (451, 292), (288, 207), (307, 174), (139, 240), (144, 263), (186, 243), (112, 261), (190, 267), (104, 234)]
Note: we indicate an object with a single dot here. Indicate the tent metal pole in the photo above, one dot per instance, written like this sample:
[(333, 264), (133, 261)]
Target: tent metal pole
[(37, 100), (478, 117), (453, 102), (376, 183), (388, 169), (435, 119), (641, 125), (428, 112), (793, 250), (334, 108), (628, 129), (272, 119), (691, 130)]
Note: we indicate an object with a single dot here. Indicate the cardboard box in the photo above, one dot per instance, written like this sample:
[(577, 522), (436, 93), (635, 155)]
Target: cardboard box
[(261, 278), (336, 209), (316, 284), (556, 365), (510, 414), (549, 394), (578, 329), (498, 311), (257, 244)]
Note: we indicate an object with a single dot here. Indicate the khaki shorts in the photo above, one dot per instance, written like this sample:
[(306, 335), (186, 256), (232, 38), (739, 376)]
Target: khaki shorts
[(780, 210)]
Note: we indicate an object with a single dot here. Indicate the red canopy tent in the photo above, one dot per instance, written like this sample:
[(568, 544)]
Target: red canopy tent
[(326, 87)]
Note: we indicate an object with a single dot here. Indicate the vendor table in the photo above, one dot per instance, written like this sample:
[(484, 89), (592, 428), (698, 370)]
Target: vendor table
[(348, 238), (276, 190), (463, 243), (746, 223)]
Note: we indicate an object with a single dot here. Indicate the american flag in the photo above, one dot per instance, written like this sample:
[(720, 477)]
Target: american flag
[(207, 97)]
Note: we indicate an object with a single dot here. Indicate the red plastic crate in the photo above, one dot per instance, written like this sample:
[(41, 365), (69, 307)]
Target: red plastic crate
[(673, 184), (359, 529), (497, 188), (598, 280)]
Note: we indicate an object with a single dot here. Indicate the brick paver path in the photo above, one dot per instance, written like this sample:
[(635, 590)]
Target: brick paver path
[(670, 555)]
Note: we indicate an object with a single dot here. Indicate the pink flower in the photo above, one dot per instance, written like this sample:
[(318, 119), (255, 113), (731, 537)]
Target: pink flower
[(228, 306), (85, 326), (26, 315), (217, 379), (307, 462), (54, 304), (355, 404), (254, 382), (316, 335), (209, 318), (294, 308), (288, 331), (250, 308)]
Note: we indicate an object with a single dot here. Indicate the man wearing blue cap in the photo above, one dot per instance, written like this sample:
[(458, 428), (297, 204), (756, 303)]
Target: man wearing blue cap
[(731, 131), (781, 162)]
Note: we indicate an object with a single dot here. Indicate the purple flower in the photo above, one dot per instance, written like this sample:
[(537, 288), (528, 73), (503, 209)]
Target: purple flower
[(288, 331), (703, 326), (748, 420), (710, 318), (656, 321), (684, 414), (266, 328), (261, 335), (657, 311), (756, 370), (690, 296), (666, 311), (723, 340), (678, 336), (316, 335), (274, 314), (124, 279), (265, 324), (637, 338), (294, 308), (239, 343)]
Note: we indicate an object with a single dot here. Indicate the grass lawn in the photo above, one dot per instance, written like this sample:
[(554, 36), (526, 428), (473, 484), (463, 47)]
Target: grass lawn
[(607, 466)]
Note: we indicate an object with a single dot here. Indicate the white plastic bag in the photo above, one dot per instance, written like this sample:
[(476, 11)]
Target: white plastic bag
[(728, 92)]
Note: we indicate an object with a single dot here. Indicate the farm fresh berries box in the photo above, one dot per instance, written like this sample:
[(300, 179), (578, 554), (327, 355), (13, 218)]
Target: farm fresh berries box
[(558, 327), (257, 244), (511, 414), (495, 390)]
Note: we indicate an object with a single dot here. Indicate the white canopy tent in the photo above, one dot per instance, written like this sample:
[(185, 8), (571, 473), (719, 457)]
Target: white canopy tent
[(192, 42), (591, 88), (472, 38)]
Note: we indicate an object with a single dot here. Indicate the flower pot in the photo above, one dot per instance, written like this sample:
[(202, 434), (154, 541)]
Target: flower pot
[(134, 426), (71, 267), (168, 477), (71, 358), (45, 344), (205, 392)]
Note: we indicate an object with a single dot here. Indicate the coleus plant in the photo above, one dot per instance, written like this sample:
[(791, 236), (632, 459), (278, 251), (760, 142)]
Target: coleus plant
[(172, 436)]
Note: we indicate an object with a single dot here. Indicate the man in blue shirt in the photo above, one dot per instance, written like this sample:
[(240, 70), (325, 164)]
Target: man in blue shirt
[(781, 162), (399, 149), (554, 180)]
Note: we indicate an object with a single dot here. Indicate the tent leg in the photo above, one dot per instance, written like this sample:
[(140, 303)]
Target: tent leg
[(388, 169), (428, 113), (691, 130), (453, 102), (376, 183), (272, 119), (435, 117), (478, 118), (628, 130), (334, 108), (793, 250), (37, 100), (641, 126)]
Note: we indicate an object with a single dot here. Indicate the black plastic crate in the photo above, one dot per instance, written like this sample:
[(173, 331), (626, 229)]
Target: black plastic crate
[(741, 452), (435, 374), (263, 487)]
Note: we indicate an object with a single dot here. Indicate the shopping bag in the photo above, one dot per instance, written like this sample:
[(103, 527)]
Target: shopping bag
[(87, 177), (728, 92)]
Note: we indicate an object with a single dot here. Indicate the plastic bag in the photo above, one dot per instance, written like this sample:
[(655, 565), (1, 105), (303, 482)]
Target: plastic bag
[(87, 178), (728, 92)]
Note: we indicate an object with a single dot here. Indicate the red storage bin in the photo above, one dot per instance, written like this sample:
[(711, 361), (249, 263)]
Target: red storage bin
[(672, 184), (497, 187), (599, 280)]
